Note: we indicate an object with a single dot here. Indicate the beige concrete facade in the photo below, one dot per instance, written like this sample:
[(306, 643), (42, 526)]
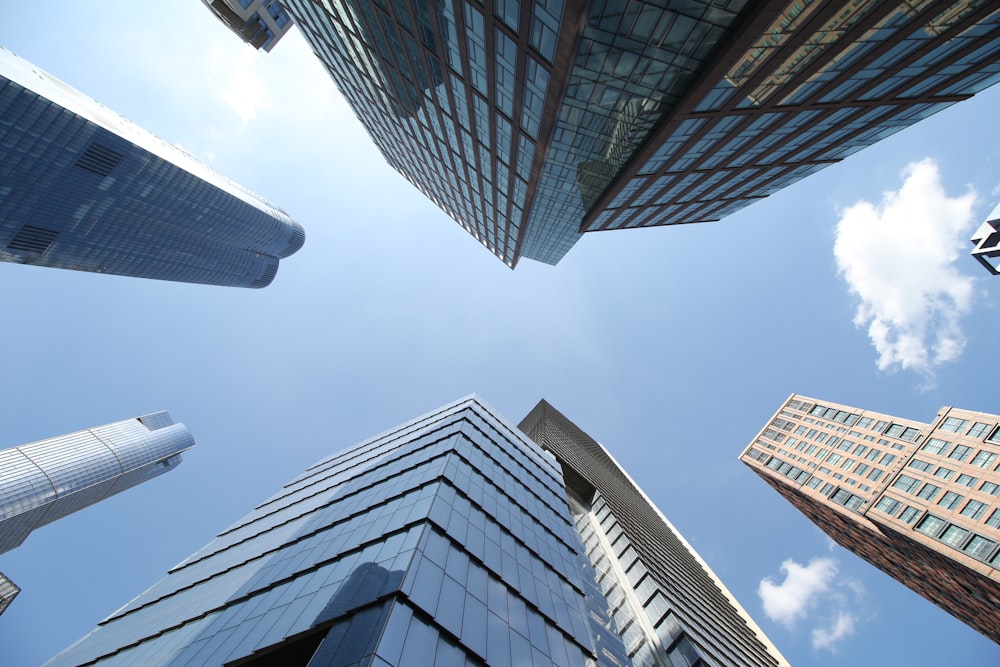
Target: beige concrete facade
[(920, 501)]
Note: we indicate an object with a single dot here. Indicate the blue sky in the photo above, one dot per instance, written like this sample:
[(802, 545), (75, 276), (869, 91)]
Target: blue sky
[(670, 346)]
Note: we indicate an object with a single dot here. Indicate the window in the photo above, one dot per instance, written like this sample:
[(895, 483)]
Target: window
[(909, 434), (874, 454), (966, 480), (931, 525), (875, 475), (950, 500), (974, 509), (984, 458), (846, 465), (994, 520), (860, 450), (905, 483), (887, 460), (954, 425), (994, 436), (864, 422), (991, 488), (979, 547), (814, 482), (929, 492), (954, 536), (834, 459), (910, 515), (960, 453), (920, 465), (846, 498), (888, 505), (944, 473), (978, 429), (862, 469), (827, 488), (880, 425), (936, 446), (894, 430)]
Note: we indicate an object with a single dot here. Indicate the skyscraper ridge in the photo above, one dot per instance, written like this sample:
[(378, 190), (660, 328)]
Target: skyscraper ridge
[(453, 539)]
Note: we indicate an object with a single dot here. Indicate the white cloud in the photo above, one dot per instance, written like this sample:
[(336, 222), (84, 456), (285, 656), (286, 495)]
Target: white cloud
[(898, 256), (842, 626), (790, 600), (243, 90)]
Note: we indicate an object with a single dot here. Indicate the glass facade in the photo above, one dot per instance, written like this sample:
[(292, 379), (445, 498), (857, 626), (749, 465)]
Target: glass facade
[(815, 84), (531, 122), (445, 541), (82, 188), (46, 480)]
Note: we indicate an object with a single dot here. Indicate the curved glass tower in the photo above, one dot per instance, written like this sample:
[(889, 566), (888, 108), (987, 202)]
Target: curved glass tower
[(83, 188), (46, 480)]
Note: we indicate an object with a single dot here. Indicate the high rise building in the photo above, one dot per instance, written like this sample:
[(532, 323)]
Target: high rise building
[(260, 23), (452, 539), (83, 188), (533, 122), (46, 480), (987, 242), (917, 500)]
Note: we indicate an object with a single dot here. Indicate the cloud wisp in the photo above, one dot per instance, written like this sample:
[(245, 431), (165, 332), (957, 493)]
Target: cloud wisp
[(788, 601), (899, 257), (813, 591), (842, 626)]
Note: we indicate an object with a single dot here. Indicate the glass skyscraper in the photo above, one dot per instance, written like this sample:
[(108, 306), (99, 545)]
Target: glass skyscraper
[(83, 188), (531, 122), (453, 539), (917, 500), (46, 480)]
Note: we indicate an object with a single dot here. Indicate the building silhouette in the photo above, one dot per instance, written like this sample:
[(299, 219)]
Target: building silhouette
[(46, 480), (917, 500), (533, 122), (83, 188), (452, 539)]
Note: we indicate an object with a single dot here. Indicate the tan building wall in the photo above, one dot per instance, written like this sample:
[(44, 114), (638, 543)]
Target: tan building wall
[(920, 501)]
